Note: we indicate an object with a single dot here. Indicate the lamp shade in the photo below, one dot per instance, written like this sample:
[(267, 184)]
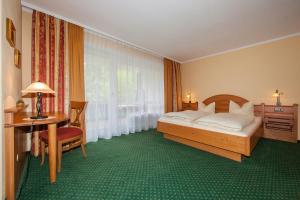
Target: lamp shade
[(276, 93), (37, 87)]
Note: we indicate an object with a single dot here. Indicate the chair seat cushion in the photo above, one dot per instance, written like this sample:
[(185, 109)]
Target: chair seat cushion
[(62, 133)]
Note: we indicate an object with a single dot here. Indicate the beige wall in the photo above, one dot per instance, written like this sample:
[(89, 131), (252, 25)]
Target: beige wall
[(1, 115), (253, 73), (12, 80), (26, 61), (26, 51), (11, 75)]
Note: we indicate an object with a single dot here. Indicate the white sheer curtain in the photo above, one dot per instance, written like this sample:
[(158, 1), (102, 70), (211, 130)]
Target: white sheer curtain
[(124, 88)]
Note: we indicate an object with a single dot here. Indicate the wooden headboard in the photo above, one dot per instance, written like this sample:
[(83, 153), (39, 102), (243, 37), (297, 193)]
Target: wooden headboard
[(222, 103)]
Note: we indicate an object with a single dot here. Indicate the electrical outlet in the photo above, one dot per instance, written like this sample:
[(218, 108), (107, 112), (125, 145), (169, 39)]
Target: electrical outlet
[(278, 109)]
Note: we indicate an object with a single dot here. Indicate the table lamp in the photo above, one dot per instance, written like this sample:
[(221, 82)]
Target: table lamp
[(277, 95), (189, 96), (38, 88)]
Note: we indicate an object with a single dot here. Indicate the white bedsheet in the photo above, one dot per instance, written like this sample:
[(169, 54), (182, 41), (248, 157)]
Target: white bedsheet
[(245, 132), (187, 115)]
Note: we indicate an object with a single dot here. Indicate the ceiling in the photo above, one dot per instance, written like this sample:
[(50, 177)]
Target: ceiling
[(181, 29)]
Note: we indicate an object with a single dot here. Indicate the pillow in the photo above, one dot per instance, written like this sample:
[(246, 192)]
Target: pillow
[(246, 109), (187, 115), (228, 121), (210, 108)]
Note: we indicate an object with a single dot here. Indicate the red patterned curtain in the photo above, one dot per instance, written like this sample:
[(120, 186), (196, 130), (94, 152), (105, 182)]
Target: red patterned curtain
[(48, 62)]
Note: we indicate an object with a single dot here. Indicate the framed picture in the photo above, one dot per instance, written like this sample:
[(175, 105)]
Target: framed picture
[(17, 58), (10, 32)]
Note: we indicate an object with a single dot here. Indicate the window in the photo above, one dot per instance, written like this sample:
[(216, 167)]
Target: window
[(123, 86)]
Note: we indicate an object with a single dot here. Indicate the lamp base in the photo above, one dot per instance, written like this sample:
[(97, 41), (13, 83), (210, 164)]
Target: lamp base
[(39, 117)]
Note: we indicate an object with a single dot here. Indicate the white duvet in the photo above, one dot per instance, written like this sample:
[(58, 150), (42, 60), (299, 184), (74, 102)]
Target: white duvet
[(227, 121), (187, 115)]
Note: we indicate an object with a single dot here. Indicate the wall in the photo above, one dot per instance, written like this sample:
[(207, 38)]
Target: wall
[(26, 61), (253, 73), (26, 51), (11, 76), (12, 80), (1, 115)]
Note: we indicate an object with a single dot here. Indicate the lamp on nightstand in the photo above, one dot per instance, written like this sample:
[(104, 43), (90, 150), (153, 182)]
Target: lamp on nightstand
[(277, 95), (39, 89), (278, 103), (189, 96)]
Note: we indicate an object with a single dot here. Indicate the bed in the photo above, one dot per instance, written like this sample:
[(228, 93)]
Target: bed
[(230, 145)]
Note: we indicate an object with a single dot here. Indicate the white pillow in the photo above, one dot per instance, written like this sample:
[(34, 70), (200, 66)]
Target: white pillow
[(210, 108), (228, 121), (246, 109)]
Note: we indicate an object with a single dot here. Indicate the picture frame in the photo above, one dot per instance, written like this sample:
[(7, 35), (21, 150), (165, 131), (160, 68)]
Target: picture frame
[(17, 58), (10, 32)]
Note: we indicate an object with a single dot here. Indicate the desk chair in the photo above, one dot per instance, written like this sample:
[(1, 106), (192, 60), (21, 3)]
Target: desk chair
[(67, 137)]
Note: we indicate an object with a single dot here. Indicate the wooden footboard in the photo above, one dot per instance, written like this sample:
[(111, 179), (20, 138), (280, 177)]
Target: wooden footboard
[(229, 146), (198, 145)]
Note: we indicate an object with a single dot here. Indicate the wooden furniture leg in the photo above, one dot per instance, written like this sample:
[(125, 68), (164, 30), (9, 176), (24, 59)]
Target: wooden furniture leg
[(36, 142), (52, 151), (43, 146), (59, 154), (9, 163), (83, 150)]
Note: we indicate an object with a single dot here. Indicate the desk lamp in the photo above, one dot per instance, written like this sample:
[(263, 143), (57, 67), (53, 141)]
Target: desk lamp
[(39, 89)]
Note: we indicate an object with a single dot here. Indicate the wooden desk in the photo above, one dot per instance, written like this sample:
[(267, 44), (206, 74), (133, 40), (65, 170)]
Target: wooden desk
[(16, 119)]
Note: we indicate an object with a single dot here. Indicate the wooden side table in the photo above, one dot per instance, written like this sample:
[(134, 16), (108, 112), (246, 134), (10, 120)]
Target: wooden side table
[(189, 106), (281, 123)]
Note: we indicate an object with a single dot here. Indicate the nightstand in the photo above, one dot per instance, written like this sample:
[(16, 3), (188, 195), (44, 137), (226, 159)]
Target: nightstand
[(189, 106), (281, 123)]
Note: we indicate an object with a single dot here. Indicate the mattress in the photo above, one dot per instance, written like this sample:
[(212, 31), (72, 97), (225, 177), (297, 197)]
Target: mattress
[(245, 132)]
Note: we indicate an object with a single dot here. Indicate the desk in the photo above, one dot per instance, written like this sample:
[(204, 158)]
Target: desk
[(15, 119)]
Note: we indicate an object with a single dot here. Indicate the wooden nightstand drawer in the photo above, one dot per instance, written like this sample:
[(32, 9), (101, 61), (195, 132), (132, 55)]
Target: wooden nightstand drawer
[(279, 115), (279, 120), (283, 124), (279, 126)]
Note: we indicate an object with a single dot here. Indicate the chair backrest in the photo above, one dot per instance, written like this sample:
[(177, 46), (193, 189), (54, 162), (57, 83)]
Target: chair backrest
[(76, 109)]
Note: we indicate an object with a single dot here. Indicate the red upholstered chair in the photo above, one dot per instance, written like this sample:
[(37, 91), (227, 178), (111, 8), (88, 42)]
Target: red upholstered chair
[(67, 137)]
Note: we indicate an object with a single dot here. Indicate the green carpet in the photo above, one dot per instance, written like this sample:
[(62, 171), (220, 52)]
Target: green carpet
[(146, 166)]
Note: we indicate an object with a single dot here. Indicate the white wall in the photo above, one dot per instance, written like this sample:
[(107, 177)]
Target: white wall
[(11, 80)]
